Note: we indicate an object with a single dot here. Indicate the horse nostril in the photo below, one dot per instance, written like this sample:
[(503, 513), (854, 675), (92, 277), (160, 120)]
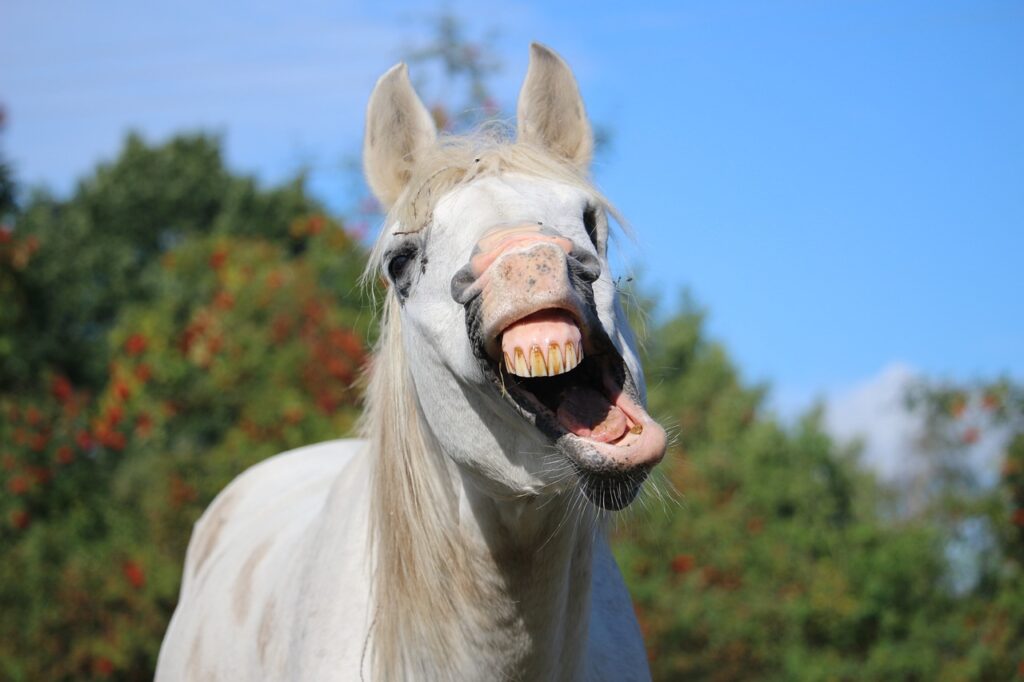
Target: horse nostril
[(584, 264), (462, 285)]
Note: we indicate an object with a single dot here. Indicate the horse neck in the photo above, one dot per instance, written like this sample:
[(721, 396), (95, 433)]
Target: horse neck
[(536, 559), (465, 586)]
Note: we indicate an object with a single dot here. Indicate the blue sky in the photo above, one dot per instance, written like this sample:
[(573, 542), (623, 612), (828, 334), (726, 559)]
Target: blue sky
[(841, 184)]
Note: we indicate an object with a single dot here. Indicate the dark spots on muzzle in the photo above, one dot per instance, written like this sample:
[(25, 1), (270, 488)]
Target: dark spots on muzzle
[(584, 269), (462, 284)]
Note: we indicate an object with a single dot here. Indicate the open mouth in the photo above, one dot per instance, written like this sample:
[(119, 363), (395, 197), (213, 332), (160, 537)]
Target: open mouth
[(576, 389)]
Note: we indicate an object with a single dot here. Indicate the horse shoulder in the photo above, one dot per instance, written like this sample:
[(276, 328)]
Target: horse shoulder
[(234, 596), (248, 494), (615, 646)]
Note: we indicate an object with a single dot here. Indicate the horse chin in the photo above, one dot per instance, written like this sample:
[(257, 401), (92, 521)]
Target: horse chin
[(614, 491), (610, 462)]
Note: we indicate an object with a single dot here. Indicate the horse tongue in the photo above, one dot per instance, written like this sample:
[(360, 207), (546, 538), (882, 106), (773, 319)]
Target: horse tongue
[(587, 413)]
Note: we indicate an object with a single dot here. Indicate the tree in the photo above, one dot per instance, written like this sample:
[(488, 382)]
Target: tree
[(982, 521), (778, 563), (91, 251), (221, 346), (7, 188)]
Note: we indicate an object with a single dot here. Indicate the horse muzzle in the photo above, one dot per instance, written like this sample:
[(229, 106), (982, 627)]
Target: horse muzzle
[(530, 287), (531, 317)]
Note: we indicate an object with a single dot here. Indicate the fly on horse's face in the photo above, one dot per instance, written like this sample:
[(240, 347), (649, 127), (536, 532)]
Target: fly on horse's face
[(510, 317)]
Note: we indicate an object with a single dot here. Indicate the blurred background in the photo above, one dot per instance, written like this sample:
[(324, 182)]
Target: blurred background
[(829, 213)]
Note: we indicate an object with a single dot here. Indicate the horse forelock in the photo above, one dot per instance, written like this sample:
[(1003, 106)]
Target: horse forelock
[(459, 160)]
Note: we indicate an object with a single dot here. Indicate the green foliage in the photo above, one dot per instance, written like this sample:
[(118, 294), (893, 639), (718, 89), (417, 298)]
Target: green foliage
[(987, 520), (227, 346), (780, 562), (94, 248), (7, 187)]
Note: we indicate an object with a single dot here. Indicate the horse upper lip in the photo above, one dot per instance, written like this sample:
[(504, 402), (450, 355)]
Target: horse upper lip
[(519, 282), (544, 344)]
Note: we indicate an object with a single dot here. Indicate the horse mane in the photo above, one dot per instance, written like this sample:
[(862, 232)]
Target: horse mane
[(426, 583), (419, 571)]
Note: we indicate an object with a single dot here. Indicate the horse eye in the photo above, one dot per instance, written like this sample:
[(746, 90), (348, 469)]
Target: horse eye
[(397, 266), (590, 224)]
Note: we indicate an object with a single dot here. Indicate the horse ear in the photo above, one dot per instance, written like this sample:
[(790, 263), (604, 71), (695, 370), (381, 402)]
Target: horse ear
[(550, 112), (398, 126)]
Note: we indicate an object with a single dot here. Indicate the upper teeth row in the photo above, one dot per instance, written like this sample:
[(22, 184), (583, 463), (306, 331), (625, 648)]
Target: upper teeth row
[(535, 364)]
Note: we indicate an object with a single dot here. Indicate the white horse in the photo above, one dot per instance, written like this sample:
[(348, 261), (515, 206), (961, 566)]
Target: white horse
[(461, 538)]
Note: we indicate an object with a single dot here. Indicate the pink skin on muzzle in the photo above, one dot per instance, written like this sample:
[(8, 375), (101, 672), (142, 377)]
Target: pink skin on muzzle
[(519, 272)]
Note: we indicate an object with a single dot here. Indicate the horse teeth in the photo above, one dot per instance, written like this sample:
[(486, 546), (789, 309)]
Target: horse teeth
[(571, 359), (522, 369), (555, 360), (537, 364)]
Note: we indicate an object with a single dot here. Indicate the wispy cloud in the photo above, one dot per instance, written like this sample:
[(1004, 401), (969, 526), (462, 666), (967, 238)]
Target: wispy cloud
[(874, 412), (287, 86)]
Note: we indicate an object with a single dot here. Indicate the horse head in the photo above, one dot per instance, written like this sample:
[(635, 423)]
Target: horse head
[(521, 358)]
